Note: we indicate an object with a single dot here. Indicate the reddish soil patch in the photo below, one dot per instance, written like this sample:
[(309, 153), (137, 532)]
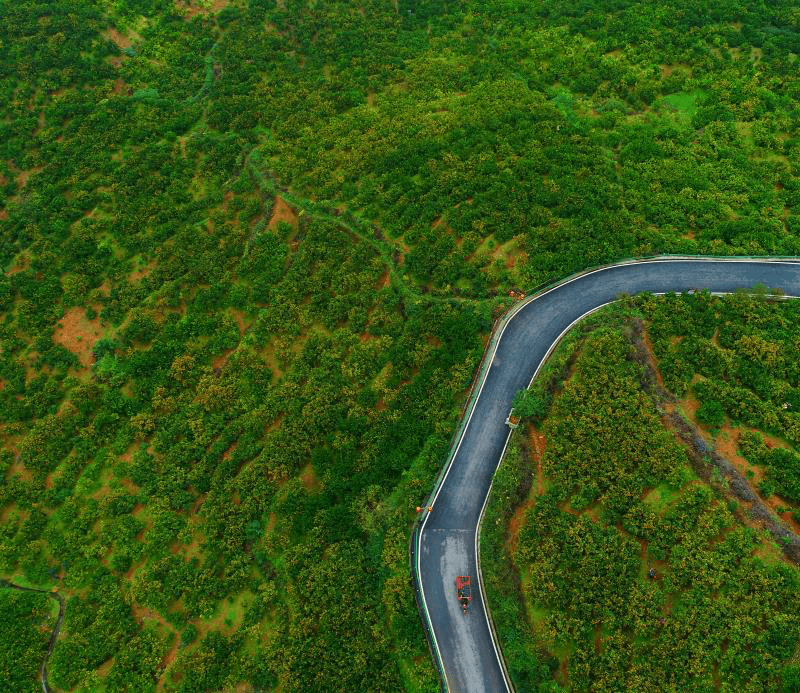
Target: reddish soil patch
[(282, 212), (126, 456), (3, 215), (197, 7), (132, 570), (515, 525), (220, 361), (19, 469), (142, 272), (517, 257), (78, 334), (103, 492), (6, 513), (383, 282), (240, 319), (309, 478), (727, 445), (563, 670), (652, 358), (142, 614), (129, 486), (565, 507), (275, 425), (119, 86), (169, 658), (120, 39), (538, 447), (104, 668), (24, 176), (775, 502), (690, 405)]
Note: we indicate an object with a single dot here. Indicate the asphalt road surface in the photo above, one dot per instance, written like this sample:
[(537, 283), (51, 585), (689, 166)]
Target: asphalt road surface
[(447, 540)]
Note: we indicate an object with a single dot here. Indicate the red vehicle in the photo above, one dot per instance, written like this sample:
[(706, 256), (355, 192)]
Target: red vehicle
[(464, 591)]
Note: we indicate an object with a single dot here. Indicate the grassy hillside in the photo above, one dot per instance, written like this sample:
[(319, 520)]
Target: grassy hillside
[(250, 250), (601, 489)]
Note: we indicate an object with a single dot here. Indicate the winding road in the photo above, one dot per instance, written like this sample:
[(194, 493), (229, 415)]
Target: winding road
[(446, 542)]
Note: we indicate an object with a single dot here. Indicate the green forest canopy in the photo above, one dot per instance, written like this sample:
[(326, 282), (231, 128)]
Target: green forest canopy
[(219, 410)]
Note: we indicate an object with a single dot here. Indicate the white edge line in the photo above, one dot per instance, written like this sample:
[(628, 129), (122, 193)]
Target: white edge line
[(490, 623), (561, 336), (511, 315), (491, 484)]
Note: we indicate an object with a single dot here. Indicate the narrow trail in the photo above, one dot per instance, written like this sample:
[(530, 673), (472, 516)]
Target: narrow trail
[(348, 221), (53, 636), (361, 228)]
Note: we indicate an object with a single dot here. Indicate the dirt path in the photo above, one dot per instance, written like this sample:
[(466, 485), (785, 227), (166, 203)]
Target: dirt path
[(390, 252), (705, 455)]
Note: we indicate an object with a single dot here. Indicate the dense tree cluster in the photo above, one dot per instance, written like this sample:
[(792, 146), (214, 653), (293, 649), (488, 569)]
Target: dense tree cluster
[(26, 621)]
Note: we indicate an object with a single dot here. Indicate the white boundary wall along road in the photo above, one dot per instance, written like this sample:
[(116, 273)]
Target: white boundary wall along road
[(417, 548)]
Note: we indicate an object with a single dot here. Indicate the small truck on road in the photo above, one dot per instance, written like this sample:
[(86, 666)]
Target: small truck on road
[(464, 591)]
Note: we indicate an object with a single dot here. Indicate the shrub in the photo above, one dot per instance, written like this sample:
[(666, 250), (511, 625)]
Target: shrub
[(531, 404), (711, 414)]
